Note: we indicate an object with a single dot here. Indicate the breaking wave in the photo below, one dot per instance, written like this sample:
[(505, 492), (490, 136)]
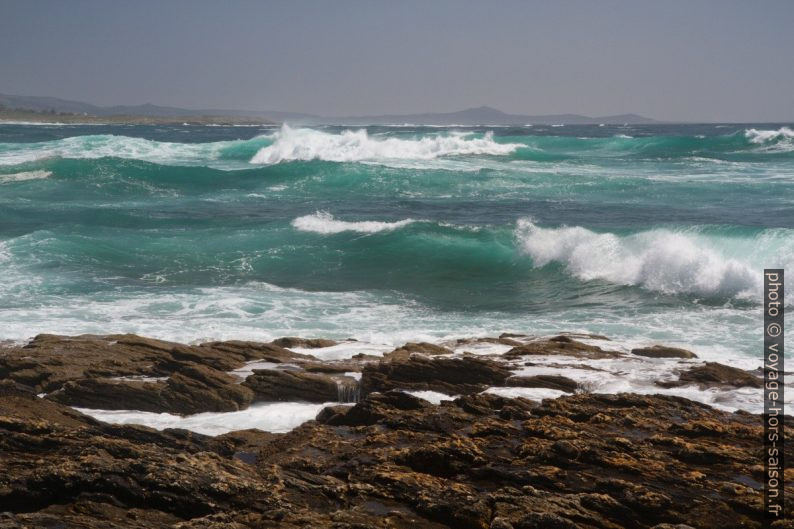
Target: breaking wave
[(23, 176), (212, 154), (324, 223), (396, 149), (662, 260), (358, 146), (781, 139)]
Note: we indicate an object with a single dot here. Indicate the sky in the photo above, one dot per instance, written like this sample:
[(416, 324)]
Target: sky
[(694, 60)]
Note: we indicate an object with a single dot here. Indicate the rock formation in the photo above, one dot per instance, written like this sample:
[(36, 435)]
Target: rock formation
[(392, 460)]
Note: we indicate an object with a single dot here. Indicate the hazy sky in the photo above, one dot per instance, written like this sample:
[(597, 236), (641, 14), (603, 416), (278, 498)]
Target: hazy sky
[(720, 60)]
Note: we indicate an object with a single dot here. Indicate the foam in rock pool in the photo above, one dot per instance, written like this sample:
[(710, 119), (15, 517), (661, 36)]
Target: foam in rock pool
[(248, 369), (347, 349), (275, 417), (614, 374), (636, 374), (358, 146), (527, 393), (434, 397)]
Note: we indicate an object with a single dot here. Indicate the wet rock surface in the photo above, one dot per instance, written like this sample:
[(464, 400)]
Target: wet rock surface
[(190, 389), (392, 460), (558, 382), (661, 351), (453, 376), (49, 361), (562, 345), (423, 348), (277, 385), (290, 342), (713, 374)]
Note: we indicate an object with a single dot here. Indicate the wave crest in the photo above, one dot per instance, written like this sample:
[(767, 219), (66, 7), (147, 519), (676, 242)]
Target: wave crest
[(781, 139), (324, 223), (358, 146), (23, 176), (659, 260), (219, 154)]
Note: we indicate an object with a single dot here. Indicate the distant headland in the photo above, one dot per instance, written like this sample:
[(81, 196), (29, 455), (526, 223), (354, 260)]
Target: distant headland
[(15, 108)]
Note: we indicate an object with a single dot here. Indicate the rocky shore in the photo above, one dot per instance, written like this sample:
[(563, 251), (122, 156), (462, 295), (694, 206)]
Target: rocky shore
[(376, 455)]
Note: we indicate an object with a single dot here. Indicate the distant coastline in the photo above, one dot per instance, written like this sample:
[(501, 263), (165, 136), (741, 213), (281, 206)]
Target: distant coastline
[(149, 113), (31, 116)]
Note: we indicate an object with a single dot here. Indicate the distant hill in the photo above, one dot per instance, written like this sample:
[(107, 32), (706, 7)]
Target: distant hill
[(490, 116), (71, 110), (473, 116)]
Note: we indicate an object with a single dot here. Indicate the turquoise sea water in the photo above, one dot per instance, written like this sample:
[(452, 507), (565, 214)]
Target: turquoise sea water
[(643, 233)]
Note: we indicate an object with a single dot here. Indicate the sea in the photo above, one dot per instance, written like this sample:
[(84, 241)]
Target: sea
[(647, 234)]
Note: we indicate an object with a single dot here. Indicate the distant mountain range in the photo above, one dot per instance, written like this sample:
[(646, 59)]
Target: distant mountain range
[(491, 116), (473, 116)]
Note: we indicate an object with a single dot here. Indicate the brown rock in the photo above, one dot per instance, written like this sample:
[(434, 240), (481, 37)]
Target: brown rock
[(304, 343), (502, 340), (424, 348), (558, 382), (332, 414), (241, 351), (196, 388), (464, 375), (107, 394), (82, 473), (715, 374), (49, 361), (332, 366), (662, 351), (191, 389), (392, 461), (10, 388), (281, 385), (561, 345)]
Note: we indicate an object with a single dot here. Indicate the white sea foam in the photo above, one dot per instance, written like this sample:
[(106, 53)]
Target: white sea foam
[(323, 222), (105, 145), (527, 393), (763, 136), (661, 260), (626, 373), (780, 140), (636, 374), (434, 397), (248, 369), (275, 417), (23, 176), (358, 146), (47, 123), (346, 349)]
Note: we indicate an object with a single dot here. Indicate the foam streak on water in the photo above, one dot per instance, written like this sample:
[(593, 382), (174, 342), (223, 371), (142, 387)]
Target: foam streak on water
[(324, 223)]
